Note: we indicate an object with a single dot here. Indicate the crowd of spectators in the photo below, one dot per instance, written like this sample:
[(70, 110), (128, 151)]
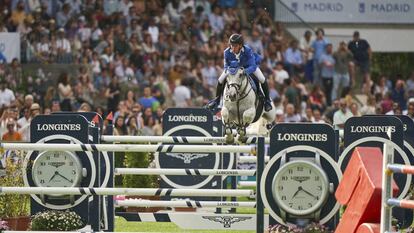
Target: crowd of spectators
[(136, 58)]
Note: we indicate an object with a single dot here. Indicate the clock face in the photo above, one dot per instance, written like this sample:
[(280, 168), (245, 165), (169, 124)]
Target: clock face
[(300, 187), (57, 169)]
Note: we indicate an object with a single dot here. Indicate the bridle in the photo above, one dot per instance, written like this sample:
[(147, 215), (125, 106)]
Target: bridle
[(240, 88), (241, 92)]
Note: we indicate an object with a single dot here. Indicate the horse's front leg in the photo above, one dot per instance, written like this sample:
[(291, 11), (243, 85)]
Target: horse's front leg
[(225, 115), (248, 116)]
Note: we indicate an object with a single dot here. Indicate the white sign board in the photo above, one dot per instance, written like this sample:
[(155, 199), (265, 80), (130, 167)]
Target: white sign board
[(349, 11), (10, 45)]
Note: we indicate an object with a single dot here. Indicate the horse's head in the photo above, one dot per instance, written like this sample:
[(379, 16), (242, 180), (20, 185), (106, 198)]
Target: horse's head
[(234, 82)]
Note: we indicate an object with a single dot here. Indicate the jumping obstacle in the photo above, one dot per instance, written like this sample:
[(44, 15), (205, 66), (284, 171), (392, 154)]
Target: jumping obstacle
[(183, 172), (388, 202), (182, 203), (174, 139), (128, 148), (250, 159), (126, 191), (247, 183)]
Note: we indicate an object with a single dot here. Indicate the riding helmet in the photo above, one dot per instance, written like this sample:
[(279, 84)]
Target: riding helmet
[(236, 39)]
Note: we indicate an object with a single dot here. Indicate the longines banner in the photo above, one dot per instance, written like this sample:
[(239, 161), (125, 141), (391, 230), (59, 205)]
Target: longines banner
[(340, 11), (10, 45)]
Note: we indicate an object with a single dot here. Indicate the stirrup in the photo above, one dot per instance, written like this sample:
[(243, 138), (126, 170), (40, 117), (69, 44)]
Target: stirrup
[(267, 105), (213, 104)]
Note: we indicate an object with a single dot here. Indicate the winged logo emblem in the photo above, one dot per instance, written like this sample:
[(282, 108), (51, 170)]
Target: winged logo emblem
[(186, 157), (226, 220)]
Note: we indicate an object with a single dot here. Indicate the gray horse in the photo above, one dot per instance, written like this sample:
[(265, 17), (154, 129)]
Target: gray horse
[(241, 105)]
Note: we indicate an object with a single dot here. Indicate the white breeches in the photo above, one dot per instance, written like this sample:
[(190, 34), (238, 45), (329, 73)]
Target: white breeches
[(258, 73)]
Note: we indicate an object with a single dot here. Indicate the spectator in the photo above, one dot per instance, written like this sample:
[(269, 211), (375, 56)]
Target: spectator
[(23, 124), (318, 48), (305, 46), (280, 75), (6, 95), (398, 94), (256, 42), (410, 82), (327, 64), (341, 115), (63, 16), (63, 48), (291, 92), (361, 50), (354, 110), (317, 116), (112, 94), (293, 59), (216, 20), (11, 135), (369, 108), (209, 74), (386, 103), (290, 115), (19, 15), (410, 110), (182, 94), (65, 92), (381, 88), (120, 126), (343, 58), (148, 101)]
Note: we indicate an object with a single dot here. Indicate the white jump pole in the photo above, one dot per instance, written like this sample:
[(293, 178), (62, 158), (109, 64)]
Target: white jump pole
[(173, 139), (183, 203), (183, 172), (250, 159), (126, 191), (128, 147), (247, 183)]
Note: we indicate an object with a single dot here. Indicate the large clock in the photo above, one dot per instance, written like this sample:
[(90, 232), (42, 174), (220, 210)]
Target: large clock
[(300, 187), (57, 169)]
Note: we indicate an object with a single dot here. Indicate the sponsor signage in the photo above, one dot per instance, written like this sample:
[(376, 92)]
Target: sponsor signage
[(313, 138), (188, 122), (339, 11)]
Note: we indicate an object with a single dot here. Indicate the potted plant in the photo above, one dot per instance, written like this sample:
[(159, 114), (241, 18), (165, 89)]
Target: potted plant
[(54, 220), (310, 228), (14, 208), (139, 160)]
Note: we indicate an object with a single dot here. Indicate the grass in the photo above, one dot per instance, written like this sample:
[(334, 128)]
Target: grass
[(121, 225)]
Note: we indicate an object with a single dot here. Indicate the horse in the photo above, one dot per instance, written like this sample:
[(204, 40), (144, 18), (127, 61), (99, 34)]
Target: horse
[(241, 105)]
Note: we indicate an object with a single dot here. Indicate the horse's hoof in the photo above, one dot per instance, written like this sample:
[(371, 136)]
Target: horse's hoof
[(242, 139), (229, 139), (228, 131)]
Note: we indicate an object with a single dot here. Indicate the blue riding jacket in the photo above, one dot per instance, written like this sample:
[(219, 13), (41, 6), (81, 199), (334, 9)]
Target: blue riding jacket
[(248, 59)]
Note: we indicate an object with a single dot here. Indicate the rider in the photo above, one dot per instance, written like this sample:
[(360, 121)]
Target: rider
[(249, 60)]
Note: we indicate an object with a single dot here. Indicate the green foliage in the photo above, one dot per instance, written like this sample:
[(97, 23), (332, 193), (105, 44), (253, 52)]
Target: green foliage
[(54, 220), (392, 64), (13, 205), (138, 160)]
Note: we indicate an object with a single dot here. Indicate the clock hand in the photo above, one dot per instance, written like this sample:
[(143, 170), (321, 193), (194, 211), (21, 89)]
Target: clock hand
[(51, 178), (296, 193), (63, 176), (307, 192)]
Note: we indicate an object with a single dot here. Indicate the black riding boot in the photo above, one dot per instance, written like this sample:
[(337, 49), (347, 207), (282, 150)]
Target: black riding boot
[(267, 102), (212, 105)]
